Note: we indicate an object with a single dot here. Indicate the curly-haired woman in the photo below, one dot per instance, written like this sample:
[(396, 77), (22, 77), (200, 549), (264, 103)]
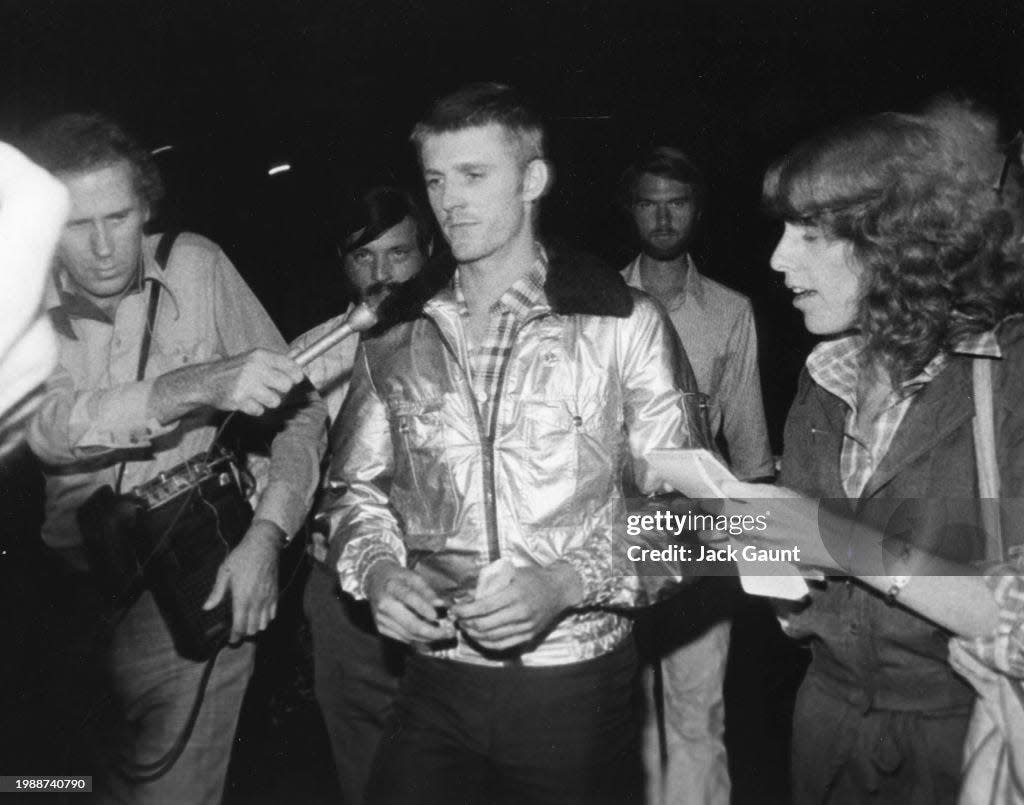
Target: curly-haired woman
[(902, 247)]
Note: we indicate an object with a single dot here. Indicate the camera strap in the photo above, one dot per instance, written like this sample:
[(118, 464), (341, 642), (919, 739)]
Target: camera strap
[(147, 772), (163, 253)]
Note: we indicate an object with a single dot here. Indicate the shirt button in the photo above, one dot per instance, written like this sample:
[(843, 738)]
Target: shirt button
[(481, 396)]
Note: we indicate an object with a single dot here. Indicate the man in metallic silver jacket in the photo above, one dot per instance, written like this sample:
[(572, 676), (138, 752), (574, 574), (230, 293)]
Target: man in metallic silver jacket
[(491, 425)]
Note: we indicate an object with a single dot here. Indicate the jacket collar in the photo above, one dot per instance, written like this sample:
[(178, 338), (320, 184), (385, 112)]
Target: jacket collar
[(577, 284), (942, 404), (63, 303), (940, 408)]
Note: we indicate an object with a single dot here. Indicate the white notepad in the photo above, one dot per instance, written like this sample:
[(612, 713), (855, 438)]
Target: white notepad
[(697, 473)]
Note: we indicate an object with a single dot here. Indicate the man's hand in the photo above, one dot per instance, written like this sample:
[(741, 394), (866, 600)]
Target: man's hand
[(525, 608), (252, 383), (404, 605), (250, 573)]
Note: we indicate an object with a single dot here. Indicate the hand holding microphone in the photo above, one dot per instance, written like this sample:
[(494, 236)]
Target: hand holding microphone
[(362, 318), (253, 382)]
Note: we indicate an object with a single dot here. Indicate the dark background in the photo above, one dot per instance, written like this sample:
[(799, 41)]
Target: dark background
[(333, 88)]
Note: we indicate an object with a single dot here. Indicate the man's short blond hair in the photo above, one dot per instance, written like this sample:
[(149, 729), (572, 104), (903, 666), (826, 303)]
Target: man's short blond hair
[(485, 104)]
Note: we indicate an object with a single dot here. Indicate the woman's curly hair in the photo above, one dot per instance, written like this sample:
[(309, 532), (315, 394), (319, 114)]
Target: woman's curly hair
[(933, 216)]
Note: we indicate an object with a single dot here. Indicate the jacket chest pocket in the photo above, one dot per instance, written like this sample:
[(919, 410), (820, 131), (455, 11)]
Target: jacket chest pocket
[(417, 425), (422, 489), (571, 454), (550, 429), (600, 441)]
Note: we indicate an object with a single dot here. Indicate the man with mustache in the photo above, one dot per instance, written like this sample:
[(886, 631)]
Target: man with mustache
[(386, 239), (477, 476), (663, 194)]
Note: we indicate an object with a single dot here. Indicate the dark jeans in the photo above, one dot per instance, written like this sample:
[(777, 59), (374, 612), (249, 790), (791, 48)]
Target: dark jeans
[(478, 734), (355, 676)]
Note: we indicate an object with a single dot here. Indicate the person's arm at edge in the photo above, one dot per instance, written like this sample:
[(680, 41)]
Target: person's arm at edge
[(953, 595), (743, 420), (297, 446)]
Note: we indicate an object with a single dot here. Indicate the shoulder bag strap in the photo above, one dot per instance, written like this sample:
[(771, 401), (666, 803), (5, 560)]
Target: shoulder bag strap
[(163, 248), (985, 456), (163, 252)]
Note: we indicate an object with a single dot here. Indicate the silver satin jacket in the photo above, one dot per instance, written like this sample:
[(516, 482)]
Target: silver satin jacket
[(416, 479)]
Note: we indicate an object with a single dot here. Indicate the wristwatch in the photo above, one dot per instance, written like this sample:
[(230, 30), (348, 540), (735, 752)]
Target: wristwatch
[(896, 585)]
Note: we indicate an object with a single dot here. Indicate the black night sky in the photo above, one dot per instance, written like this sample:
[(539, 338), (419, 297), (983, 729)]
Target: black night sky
[(333, 88)]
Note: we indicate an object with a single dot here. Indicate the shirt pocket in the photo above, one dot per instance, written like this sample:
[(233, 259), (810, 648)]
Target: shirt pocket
[(170, 353)]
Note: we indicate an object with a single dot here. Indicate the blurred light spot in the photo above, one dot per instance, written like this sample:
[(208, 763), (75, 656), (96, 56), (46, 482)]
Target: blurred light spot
[(161, 149), (284, 167)]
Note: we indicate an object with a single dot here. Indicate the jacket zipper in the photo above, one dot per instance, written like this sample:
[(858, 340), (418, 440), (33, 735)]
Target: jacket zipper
[(486, 435), (487, 442)]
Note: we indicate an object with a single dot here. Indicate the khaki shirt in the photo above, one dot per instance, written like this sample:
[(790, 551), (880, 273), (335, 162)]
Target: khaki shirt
[(93, 414)]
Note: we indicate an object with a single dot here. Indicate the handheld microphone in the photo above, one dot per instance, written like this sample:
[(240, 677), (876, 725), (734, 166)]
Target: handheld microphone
[(361, 319)]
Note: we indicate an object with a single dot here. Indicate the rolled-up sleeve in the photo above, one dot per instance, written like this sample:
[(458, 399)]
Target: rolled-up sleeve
[(295, 457), (71, 425)]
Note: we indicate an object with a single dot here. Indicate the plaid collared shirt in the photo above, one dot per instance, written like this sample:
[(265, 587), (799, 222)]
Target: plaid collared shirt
[(1003, 649), (836, 367), (487, 359)]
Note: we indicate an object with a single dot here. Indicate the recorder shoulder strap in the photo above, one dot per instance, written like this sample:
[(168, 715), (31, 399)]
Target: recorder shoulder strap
[(163, 253)]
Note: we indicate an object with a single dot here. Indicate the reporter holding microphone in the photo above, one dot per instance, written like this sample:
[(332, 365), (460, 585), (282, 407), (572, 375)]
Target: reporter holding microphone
[(158, 337)]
